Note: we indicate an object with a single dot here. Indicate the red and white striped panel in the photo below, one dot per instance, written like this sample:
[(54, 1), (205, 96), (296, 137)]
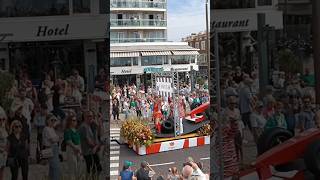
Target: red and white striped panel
[(172, 145)]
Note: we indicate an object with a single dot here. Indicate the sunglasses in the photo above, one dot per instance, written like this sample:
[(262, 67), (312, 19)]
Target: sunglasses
[(17, 127), (74, 120), (2, 119)]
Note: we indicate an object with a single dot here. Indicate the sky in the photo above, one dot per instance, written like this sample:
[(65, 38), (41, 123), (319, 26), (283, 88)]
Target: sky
[(185, 17)]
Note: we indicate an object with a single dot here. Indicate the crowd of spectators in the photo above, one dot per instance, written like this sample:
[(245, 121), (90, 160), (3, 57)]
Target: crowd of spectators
[(67, 129)]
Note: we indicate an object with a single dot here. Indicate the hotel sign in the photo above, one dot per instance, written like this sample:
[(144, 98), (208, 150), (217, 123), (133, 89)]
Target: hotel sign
[(238, 20), (49, 28)]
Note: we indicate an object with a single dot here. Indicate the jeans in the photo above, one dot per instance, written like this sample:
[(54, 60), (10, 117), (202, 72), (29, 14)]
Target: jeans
[(23, 163), (126, 113), (93, 164), (54, 164)]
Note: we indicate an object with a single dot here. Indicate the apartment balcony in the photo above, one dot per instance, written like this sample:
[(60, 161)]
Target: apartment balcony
[(129, 40), (142, 5), (137, 24), (282, 2)]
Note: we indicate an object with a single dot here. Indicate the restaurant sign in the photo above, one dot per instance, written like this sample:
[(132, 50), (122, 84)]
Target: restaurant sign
[(152, 70)]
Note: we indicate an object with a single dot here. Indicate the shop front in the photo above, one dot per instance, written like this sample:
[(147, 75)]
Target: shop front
[(57, 44)]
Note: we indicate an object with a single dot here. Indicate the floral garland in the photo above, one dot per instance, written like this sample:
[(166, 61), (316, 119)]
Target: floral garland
[(135, 132)]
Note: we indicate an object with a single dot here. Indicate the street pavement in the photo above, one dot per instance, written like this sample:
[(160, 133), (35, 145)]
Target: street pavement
[(160, 162)]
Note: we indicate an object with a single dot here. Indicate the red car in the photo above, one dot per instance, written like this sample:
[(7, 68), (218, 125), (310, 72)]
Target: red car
[(284, 151)]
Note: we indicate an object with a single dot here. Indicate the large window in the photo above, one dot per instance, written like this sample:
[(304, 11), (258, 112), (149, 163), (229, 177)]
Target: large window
[(81, 6), (264, 2), (22, 8), (151, 60), (203, 45), (233, 4), (183, 59), (120, 62)]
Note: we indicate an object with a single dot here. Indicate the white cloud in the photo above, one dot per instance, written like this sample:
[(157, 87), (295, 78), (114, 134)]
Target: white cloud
[(188, 18)]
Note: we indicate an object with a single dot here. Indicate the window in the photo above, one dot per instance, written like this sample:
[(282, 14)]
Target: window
[(183, 59), (203, 45), (120, 62), (25, 8), (81, 6), (166, 60), (135, 61), (197, 45), (151, 60), (233, 4), (264, 2)]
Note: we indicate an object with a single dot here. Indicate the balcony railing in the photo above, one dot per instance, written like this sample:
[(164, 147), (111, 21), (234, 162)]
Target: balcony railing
[(138, 23), (126, 4), (128, 40)]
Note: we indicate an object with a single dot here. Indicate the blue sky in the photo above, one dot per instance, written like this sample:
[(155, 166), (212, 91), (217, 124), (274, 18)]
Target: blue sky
[(185, 17)]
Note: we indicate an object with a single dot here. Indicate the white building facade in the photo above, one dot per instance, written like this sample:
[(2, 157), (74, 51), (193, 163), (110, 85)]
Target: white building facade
[(139, 47), (64, 34), (129, 62), (138, 21)]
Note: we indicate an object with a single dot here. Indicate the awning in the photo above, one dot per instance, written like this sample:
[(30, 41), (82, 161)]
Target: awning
[(185, 52), (156, 53), (124, 54)]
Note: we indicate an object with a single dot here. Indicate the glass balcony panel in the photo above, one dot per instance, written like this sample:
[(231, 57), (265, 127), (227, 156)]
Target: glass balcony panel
[(137, 4), (128, 40), (137, 23)]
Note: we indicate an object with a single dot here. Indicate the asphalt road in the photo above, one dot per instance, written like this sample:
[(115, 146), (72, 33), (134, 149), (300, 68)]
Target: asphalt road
[(161, 162)]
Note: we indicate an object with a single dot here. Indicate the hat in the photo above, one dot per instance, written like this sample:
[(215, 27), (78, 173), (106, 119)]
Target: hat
[(128, 163)]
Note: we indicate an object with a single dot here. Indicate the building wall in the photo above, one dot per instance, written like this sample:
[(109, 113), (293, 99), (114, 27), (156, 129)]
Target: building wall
[(135, 24)]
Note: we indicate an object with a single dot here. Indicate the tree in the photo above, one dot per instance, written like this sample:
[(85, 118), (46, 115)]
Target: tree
[(288, 62), (6, 83)]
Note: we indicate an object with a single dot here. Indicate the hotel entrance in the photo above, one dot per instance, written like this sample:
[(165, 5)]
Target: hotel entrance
[(59, 57)]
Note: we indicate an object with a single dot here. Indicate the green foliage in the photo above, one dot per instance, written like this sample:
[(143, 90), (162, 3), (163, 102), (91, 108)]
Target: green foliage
[(200, 81), (289, 62), (6, 83)]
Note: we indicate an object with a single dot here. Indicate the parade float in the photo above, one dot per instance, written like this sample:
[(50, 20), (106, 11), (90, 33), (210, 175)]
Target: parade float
[(171, 133)]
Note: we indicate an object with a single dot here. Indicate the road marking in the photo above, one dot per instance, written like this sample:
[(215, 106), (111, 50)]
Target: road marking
[(207, 158), (113, 143), (114, 158), (162, 164), (115, 135), (115, 129), (114, 152), (113, 173), (114, 147), (114, 165)]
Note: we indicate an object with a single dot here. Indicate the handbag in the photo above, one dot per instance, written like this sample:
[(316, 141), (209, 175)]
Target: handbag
[(46, 153)]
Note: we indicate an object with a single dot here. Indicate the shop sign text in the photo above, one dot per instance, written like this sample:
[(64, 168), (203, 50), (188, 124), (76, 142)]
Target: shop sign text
[(52, 31)]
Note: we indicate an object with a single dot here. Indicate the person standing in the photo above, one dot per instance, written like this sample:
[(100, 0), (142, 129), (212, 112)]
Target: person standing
[(145, 172), (306, 118), (90, 145), (72, 139), (3, 141), (50, 141), (277, 119), (126, 173), (257, 121), (26, 104), (18, 151), (233, 128), (115, 109), (245, 101)]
